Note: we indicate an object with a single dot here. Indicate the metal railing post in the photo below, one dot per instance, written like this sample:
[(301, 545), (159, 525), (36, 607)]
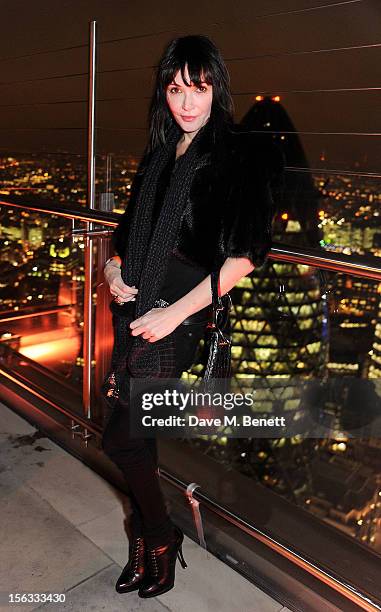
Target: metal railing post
[(88, 251), (195, 505)]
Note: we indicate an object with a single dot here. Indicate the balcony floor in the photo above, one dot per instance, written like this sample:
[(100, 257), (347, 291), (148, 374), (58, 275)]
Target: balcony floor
[(62, 532)]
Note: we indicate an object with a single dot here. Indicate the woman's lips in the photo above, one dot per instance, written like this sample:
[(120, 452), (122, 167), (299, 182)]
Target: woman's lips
[(187, 118)]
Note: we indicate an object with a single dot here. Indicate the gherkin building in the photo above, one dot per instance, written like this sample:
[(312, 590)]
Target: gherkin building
[(279, 323), (375, 356)]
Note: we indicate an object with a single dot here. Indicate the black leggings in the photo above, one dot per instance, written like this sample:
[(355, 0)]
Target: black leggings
[(138, 458)]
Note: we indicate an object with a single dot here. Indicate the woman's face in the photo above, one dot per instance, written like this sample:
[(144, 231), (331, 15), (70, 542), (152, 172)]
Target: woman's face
[(189, 105)]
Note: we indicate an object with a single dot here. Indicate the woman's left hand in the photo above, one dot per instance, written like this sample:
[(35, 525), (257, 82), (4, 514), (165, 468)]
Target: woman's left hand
[(155, 324)]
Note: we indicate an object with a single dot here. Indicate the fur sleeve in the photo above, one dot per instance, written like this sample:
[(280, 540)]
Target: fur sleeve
[(251, 210)]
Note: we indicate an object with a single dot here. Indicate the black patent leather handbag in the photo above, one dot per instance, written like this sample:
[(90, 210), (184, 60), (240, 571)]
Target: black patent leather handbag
[(218, 338)]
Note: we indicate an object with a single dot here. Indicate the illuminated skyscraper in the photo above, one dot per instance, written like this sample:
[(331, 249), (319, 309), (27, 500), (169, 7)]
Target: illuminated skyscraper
[(279, 322), (375, 355)]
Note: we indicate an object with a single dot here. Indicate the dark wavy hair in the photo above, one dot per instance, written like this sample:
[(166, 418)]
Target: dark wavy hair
[(203, 59)]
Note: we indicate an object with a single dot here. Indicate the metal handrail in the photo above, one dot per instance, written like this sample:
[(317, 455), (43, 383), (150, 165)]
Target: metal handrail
[(367, 266), (75, 213)]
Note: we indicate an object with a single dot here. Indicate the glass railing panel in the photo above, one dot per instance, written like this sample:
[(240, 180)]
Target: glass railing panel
[(333, 211), (115, 173), (42, 298), (309, 343), (308, 340), (316, 332)]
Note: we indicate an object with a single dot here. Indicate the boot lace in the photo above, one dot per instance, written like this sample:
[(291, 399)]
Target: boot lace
[(152, 560), (137, 547)]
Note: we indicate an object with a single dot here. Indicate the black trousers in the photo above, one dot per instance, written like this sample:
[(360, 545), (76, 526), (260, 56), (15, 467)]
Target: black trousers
[(138, 458)]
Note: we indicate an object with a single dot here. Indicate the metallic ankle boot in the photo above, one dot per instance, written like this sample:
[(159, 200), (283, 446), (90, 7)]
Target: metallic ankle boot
[(133, 573), (159, 574)]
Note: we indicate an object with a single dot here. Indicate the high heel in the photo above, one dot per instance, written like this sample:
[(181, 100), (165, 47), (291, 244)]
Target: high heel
[(180, 557), (133, 572), (161, 565)]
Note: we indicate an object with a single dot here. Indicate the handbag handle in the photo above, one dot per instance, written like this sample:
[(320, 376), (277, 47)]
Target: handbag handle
[(216, 293), (217, 304)]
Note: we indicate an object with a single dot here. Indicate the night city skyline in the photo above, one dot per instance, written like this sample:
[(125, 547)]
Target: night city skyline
[(305, 334)]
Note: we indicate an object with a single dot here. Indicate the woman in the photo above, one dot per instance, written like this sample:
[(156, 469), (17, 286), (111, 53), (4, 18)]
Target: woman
[(200, 200)]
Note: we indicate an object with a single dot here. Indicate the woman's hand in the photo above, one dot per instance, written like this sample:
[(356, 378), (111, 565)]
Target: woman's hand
[(156, 323), (118, 288)]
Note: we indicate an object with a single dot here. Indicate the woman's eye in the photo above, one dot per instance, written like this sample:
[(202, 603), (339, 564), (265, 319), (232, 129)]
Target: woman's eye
[(176, 89)]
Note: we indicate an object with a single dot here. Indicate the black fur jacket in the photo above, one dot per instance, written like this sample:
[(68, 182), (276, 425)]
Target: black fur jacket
[(231, 205)]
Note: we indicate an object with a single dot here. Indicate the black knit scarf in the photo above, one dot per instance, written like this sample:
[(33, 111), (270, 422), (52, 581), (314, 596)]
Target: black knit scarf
[(149, 248)]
